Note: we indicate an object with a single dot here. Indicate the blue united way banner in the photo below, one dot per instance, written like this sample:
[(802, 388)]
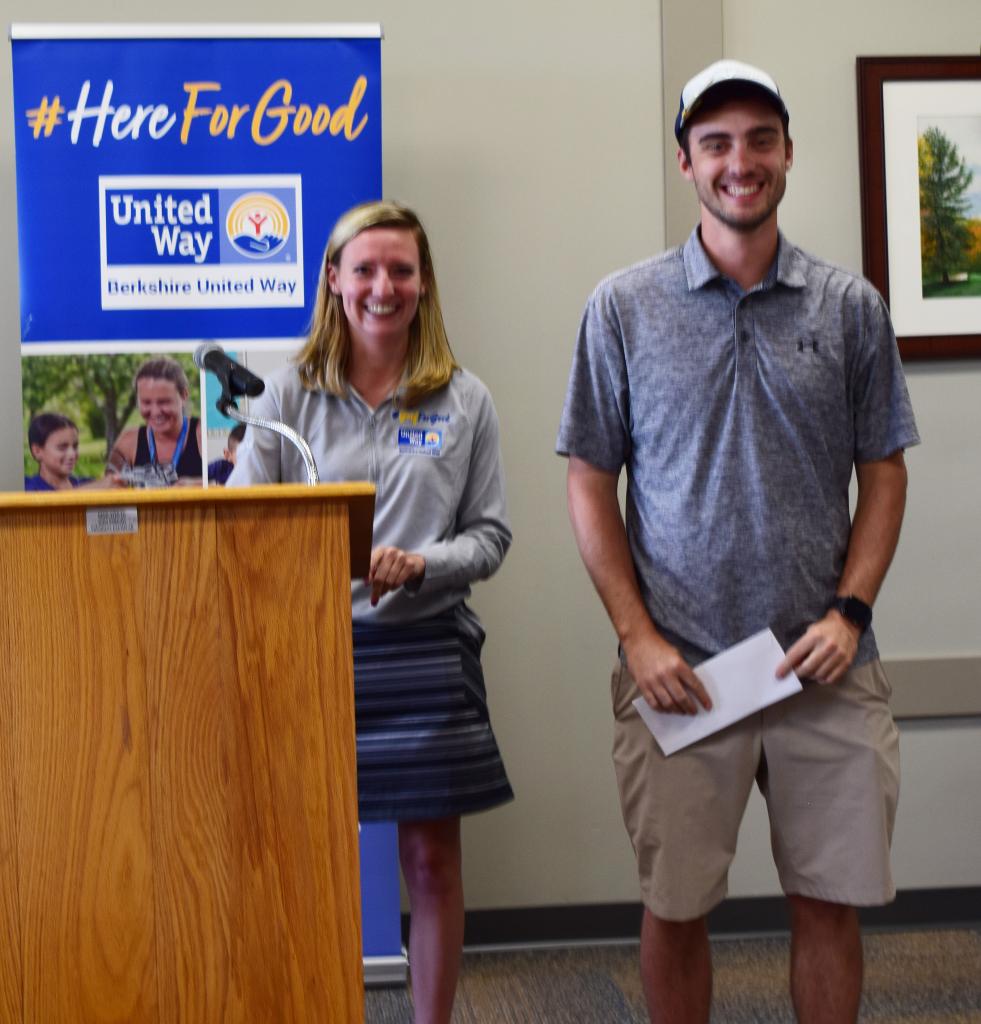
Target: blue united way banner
[(183, 188), (175, 184)]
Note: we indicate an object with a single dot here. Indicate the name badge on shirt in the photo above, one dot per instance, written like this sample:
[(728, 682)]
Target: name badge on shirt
[(420, 441)]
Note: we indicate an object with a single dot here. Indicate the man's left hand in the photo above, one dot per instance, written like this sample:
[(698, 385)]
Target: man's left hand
[(824, 652)]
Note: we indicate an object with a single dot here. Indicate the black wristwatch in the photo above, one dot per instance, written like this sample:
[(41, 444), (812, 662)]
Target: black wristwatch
[(854, 609)]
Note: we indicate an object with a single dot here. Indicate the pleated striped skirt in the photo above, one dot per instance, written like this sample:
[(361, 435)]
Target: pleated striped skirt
[(425, 744)]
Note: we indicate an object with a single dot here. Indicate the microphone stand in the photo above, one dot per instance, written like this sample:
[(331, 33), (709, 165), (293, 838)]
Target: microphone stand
[(227, 407)]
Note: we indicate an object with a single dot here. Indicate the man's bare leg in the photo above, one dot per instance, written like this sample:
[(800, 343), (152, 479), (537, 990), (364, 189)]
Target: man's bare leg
[(825, 961), (676, 970)]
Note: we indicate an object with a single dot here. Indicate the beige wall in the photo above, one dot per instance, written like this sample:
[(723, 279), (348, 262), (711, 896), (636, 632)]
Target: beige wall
[(530, 138)]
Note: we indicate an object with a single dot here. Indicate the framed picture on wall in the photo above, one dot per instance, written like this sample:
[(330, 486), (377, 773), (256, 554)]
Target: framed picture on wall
[(919, 123)]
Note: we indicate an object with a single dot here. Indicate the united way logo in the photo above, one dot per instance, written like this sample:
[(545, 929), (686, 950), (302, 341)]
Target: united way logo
[(418, 441), (257, 225), (201, 241)]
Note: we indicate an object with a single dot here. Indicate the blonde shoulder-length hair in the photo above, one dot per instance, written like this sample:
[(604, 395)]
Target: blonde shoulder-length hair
[(324, 361)]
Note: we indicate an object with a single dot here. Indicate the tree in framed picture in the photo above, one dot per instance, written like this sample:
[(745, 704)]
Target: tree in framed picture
[(950, 237)]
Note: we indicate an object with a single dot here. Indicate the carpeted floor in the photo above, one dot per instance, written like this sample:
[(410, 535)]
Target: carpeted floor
[(919, 977)]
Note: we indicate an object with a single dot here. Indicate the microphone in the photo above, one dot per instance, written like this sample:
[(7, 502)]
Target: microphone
[(235, 379)]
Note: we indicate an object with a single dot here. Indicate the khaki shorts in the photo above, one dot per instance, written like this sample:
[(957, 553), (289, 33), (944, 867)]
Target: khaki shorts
[(827, 763)]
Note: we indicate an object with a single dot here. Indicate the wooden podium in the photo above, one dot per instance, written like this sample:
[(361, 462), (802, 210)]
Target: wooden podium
[(178, 805)]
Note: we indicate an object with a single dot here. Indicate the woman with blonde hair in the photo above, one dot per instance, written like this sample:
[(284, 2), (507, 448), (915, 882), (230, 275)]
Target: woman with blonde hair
[(379, 397)]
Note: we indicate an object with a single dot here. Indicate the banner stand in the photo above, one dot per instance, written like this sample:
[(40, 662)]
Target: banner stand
[(171, 190)]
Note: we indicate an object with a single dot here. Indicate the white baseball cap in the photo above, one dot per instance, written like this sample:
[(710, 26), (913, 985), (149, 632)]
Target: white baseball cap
[(721, 73)]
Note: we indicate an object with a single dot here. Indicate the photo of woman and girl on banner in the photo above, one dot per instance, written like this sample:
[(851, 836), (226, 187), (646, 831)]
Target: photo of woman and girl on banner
[(122, 420)]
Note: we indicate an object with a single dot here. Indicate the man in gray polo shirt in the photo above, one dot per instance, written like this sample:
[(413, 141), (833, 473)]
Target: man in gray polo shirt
[(740, 381)]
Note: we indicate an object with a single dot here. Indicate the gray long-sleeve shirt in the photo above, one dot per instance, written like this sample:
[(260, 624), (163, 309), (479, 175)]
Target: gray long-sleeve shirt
[(437, 470)]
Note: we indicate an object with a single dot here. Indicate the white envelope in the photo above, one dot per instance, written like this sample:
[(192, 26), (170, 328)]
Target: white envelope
[(739, 681)]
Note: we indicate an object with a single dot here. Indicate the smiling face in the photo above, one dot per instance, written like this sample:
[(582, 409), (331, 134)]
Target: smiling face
[(739, 158), (56, 458), (161, 405), (379, 281)]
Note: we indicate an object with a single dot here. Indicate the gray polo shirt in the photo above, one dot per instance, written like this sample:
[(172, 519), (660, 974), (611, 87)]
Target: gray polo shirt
[(437, 471), (739, 416)]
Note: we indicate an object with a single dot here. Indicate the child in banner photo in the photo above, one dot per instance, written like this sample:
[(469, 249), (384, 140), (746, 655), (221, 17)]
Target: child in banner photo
[(53, 439), (221, 469)]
